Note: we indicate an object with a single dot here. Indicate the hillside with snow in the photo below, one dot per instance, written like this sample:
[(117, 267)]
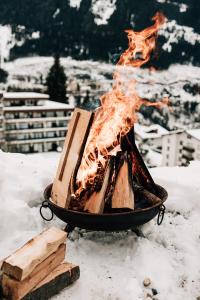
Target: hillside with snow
[(94, 29), (180, 83), (113, 265)]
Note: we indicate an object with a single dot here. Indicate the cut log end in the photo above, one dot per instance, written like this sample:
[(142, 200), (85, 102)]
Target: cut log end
[(21, 263), (63, 276), (16, 290)]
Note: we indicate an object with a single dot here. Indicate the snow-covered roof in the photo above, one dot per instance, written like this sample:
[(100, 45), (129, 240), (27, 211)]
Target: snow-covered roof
[(25, 95), (45, 105), (178, 131), (150, 132), (194, 133)]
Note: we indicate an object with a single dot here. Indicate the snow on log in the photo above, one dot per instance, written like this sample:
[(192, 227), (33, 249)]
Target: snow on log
[(21, 263), (16, 290)]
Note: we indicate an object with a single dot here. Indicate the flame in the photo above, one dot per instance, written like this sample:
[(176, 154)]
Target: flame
[(117, 113)]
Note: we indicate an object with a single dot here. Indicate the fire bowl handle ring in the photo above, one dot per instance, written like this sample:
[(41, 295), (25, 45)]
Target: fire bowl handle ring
[(161, 214), (45, 204)]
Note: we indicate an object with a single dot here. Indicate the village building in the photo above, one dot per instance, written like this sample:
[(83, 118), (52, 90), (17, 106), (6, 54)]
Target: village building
[(151, 135), (33, 123), (180, 147)]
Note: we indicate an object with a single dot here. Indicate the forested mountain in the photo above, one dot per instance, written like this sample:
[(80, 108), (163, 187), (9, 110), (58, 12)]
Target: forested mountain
[(95, 29)]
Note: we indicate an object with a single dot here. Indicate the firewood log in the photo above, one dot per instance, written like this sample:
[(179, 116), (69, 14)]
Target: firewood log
[(153, 199), (123, 196), (72, 152), (21, 263), (96, 202), (61, 277), (139, 168), (148, 198), (16, 290)]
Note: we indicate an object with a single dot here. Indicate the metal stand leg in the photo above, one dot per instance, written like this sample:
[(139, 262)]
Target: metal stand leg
[(69, 228), (138, 232)]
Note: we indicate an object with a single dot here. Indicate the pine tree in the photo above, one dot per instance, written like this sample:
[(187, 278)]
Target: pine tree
[(3, 75), (56, 82)]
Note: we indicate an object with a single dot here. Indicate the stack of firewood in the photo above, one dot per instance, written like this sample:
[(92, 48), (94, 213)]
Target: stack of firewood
[(37, 270)]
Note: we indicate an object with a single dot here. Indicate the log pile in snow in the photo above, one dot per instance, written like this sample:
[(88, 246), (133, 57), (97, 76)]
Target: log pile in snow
[(36, 270)]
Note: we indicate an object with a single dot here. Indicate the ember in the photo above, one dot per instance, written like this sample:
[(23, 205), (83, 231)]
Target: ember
[(101, 169)]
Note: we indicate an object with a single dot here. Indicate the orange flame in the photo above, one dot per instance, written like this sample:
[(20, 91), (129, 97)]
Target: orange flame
[(117, 113)]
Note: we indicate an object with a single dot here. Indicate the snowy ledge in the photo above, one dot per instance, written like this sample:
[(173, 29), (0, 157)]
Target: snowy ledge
[(113, 266)]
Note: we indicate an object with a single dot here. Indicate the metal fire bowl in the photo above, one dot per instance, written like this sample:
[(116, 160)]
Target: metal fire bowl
[(108, 221)]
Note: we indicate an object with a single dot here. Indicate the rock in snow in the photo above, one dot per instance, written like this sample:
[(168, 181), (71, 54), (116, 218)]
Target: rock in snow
[(113, 265)]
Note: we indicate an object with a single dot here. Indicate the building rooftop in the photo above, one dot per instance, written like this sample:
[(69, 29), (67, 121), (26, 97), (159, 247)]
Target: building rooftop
[(177, 131), (25, 95), (194, 133), (45, 104), (150, 132)]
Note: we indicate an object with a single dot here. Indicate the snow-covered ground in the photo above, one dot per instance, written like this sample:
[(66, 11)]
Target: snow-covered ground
[(113, 266)]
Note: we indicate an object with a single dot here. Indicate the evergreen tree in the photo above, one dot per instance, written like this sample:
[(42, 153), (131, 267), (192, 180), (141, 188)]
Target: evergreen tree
[(3, 75), (56, 82)]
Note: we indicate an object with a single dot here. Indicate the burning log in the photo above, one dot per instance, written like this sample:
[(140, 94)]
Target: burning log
[(96, 202), (71, 155), (139, 169), (123, 196)]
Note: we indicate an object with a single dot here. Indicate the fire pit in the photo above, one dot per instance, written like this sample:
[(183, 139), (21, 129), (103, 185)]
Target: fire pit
[(102, 182), (107, 221)]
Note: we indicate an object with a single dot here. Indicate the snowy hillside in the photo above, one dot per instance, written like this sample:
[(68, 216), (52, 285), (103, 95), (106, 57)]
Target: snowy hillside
[(113, 266), (94, 29), (179, 82), (151, 84)]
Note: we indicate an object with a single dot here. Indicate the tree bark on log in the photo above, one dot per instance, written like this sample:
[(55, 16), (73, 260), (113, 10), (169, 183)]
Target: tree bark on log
[(60, 278)]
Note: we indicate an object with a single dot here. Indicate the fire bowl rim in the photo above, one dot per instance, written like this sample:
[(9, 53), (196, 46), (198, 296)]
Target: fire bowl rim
[(47, 193)]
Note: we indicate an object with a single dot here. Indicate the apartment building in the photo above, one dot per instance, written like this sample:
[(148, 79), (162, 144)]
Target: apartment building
[(180, 147), (151, 135), (33, 123)]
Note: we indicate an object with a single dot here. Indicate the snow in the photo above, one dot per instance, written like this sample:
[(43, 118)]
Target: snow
[(103, 10), (25, 95), (173, 32), (75, 3), (154, 158), (5, 40), (113, 265), (195, 133), (150, 132), (56, 13), (47, 104), (151, 84)]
